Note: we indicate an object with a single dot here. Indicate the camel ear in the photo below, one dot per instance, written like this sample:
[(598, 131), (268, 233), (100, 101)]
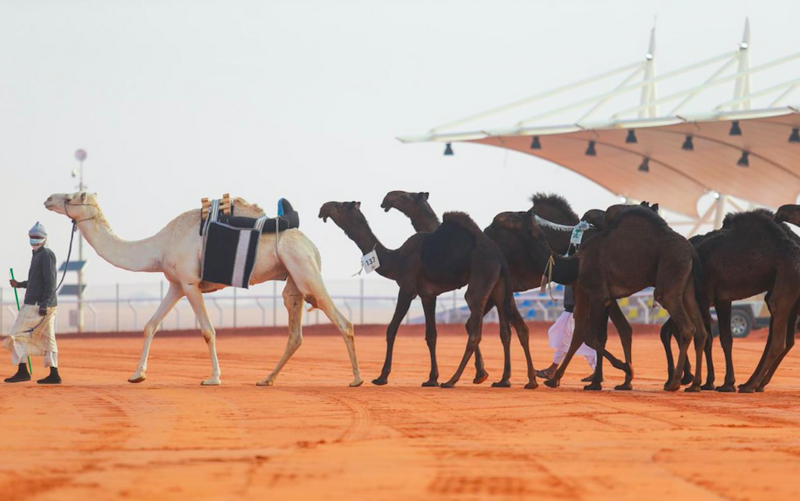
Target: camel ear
[(355, 205), (425, 195), (83, 196), (654, 207)]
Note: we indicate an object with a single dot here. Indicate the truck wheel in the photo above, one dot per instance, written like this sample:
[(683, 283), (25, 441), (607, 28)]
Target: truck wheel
[(741, 323)]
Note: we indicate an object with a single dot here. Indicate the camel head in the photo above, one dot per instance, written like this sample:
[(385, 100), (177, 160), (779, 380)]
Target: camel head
[(403, 201), (789, 213), (341, 212), (77, 206), (595, 217)]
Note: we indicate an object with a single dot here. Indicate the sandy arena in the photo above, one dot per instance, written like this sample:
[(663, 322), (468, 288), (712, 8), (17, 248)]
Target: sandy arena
[(312, 437)]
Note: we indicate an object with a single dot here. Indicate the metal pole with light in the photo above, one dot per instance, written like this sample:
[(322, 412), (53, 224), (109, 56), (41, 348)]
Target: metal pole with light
[(80, 156)]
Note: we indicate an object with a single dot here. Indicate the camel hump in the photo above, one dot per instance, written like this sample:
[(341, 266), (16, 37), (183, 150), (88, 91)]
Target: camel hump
[(748, 219), (554, 200), (463, 220)]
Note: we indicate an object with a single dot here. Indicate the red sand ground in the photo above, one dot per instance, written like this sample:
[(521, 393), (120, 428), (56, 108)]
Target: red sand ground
[(312, 437)]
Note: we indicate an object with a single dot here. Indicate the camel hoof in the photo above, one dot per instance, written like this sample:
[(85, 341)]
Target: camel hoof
[(214, 381), (624, 387), (760, 389), (137, 378), (356, 383), (266, 382), (692, 389), (593, 387), (380, 381), (672, 387), (449, 384), (532, 385), (502, 384), (727, 388), (687, 379), (746, 389), (431, 383), (480, 378), (553, 383), (709, 387)]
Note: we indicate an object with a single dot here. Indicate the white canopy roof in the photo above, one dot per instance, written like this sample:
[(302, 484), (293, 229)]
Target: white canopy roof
[(759, 162)]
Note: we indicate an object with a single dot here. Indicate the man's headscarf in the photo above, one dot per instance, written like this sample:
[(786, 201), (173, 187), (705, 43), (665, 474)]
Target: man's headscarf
[(37, 234)]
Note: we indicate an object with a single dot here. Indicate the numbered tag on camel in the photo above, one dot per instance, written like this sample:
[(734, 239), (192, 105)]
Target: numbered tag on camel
[(370, 262)]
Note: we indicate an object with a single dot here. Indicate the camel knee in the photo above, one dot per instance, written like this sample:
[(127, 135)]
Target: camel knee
[(150, 329), (295, 342), (209, 335)]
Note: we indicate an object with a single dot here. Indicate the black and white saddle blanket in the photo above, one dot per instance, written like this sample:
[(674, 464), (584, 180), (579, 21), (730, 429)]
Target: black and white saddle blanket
[(230, 244)]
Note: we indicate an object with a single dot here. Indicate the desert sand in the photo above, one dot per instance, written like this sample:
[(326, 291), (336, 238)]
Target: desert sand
[(313, 437)]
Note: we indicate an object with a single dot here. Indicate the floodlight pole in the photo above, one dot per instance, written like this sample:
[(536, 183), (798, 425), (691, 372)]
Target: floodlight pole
[(649, 109), (80, 155), (742, 89), (741, 101)]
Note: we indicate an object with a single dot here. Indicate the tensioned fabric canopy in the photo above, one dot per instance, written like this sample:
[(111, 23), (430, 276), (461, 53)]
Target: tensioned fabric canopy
[(677, 177), (674, 159)]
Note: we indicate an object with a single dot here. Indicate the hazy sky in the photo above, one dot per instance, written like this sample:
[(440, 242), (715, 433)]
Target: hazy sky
[(175, 101)]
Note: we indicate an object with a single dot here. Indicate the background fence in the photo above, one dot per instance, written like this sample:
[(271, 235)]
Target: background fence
[(127, 307)]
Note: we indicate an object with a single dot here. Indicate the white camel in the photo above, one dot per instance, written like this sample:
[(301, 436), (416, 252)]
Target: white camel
[(176, 252)]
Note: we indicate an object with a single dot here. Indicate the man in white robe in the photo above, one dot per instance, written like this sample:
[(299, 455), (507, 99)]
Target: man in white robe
[(560, 337)]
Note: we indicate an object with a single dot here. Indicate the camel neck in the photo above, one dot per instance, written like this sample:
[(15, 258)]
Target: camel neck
[(365, 239), (565, 269), (424, 220), (139, 255)]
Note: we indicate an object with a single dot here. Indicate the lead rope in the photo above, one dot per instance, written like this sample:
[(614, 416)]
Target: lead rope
[(547, 276)]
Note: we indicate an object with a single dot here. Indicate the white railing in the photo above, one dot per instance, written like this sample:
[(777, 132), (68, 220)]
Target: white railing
[(127, 307)]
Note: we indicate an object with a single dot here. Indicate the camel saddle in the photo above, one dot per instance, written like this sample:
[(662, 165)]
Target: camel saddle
[(230, 243)]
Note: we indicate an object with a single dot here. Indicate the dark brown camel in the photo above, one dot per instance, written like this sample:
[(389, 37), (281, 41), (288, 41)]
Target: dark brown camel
[(424, 220), (752, 253), (636, 250), (524, 276), (429, 264)]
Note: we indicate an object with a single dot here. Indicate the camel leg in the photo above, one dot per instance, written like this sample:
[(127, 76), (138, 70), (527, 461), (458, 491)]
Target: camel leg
[(476, 300), (791, 329), (701, 347), (429, 307), (581, 316), (403, 304), (666, 338), (762, 361), (597, 335), (195, 298), (710, 371), (173, 295), (726, 341), (523, 334), (625, 332), (777, 342), (601, 350), (685, 333), (293, 301), (305, 271), (505, 338)]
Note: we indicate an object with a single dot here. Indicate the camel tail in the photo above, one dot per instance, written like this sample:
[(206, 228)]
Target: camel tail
[(699, 291), (508, 296)]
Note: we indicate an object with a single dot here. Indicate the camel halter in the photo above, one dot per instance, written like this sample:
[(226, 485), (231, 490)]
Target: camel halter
[(72, 236), (574, 241)]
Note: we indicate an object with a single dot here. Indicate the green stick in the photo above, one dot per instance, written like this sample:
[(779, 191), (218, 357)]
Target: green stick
[(16, 296)]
